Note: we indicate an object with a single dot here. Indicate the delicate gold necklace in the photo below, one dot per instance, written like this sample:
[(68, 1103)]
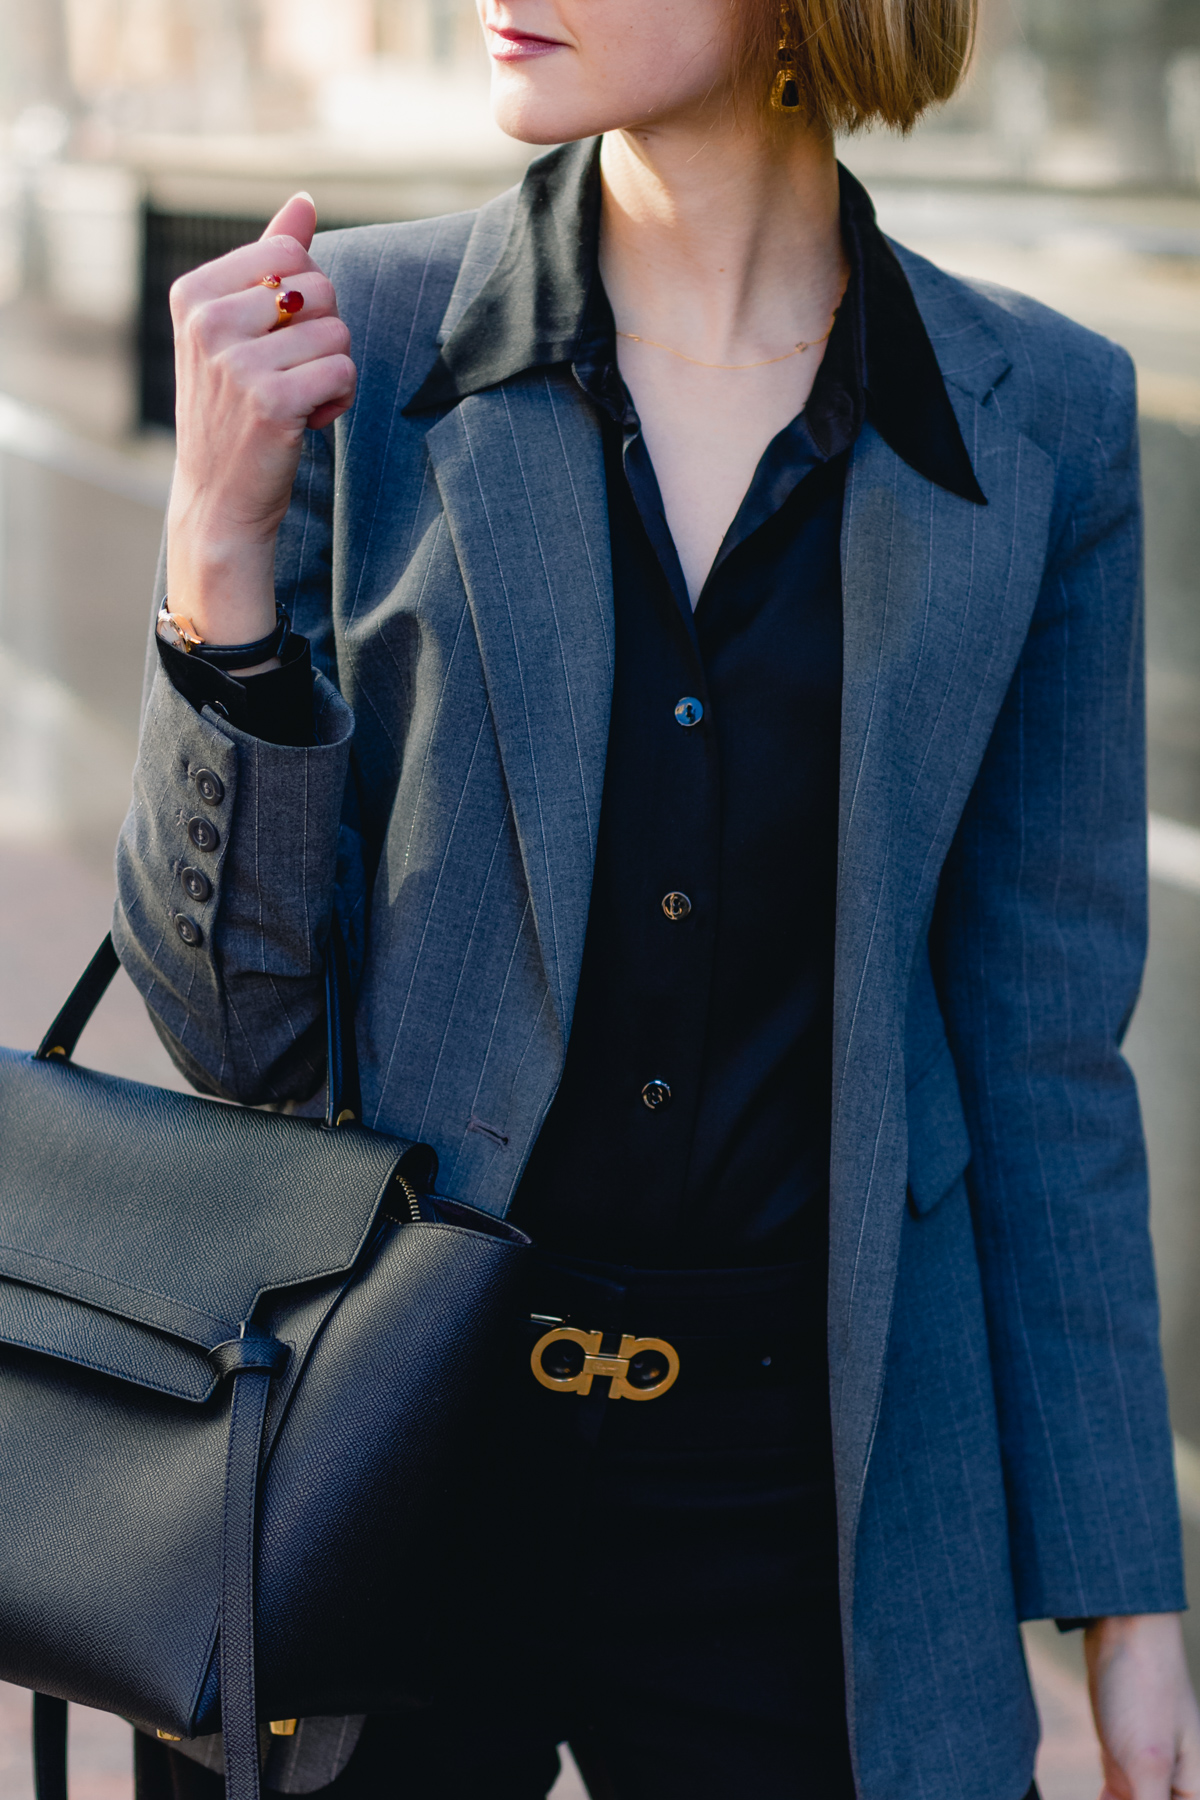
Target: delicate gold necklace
[(764, 364)]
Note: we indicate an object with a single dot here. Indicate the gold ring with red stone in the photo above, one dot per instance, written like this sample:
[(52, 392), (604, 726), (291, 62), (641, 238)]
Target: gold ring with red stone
[(287, 303)]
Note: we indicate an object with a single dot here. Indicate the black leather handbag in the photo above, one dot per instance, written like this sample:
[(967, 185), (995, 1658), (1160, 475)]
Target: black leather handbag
[(240, 1356)]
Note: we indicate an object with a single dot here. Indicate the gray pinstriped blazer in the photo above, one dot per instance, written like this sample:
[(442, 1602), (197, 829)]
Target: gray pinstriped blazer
[(1000, 1425)]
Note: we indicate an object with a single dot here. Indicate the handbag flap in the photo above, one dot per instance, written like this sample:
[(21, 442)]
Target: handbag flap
[(54, 1326), (170, 1211)]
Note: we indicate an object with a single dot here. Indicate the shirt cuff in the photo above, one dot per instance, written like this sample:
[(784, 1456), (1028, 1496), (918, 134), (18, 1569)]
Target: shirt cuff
[(276, 706)]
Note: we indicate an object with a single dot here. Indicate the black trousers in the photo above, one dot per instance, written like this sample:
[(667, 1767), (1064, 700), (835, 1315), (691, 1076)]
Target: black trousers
[(654, 1582)]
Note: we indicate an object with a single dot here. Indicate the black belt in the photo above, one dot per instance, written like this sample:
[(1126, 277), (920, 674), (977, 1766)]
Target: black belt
[(568, 1358), (642, 1331)]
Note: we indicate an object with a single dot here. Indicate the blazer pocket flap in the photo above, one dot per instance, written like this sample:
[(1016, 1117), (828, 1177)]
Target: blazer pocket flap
[(939, 1148)]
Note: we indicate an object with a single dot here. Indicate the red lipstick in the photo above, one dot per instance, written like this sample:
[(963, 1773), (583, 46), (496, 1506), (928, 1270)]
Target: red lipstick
[(507, 45)]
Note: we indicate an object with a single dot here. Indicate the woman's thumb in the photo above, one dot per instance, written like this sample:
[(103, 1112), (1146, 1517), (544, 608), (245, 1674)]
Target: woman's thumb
[(297, 218)]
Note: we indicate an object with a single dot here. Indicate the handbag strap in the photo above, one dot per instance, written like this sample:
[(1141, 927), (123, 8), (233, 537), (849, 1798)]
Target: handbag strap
[(251, 1360), (49, 1747), (343, 1097), (259, 1357), (343, 1104), (82, 1002)]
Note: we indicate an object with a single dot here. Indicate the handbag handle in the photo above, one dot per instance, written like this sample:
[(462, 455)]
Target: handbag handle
[(343, 1101)]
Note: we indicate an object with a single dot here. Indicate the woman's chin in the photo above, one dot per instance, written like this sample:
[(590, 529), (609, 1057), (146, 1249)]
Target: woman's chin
[(524, 109)]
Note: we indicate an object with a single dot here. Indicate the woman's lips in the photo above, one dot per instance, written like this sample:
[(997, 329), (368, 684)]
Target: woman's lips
[(519, 46)]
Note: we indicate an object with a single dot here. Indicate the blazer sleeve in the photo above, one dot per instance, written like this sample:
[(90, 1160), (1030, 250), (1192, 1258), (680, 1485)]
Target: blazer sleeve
[(1040, 941), (229, 956)]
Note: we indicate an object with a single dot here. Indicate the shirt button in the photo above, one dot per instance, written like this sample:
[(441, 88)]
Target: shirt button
[(676, 906), (203, 834), (210, 787), (188, 930), (196, 884), (689, 711), (655, 1094)]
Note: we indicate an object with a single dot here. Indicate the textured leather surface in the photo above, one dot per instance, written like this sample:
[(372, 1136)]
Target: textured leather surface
[(187, 1235), (112, 1498), (80, 1334), (356, 1512), (110, 1552)]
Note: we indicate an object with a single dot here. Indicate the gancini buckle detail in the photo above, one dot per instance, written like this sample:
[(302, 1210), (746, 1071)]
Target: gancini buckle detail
[(642, 1369)]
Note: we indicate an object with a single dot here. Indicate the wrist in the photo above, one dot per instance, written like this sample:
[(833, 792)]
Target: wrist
[(226, 589), (1114, 1626), (1133, 1639), (250, 657)]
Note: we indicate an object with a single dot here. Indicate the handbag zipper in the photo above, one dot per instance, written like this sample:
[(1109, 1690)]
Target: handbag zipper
[(413, 1198), (412, 1201)]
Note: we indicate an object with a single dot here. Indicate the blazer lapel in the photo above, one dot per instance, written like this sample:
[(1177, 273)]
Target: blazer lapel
[(938, 595), (521, 476)]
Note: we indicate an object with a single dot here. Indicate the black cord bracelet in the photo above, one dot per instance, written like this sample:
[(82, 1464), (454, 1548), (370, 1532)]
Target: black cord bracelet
[(226, 656)]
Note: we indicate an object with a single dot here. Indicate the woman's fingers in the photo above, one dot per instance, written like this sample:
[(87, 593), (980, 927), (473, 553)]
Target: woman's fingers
[(310, 385), (296, 218), (281, 251), (325, 414), (304, 342), (254, 311), (237, 270)]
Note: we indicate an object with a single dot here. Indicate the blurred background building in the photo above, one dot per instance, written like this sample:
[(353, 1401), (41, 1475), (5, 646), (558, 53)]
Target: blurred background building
[(138, 137)]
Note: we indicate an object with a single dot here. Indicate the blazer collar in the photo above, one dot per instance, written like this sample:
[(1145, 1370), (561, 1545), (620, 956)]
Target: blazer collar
[(543, 303)]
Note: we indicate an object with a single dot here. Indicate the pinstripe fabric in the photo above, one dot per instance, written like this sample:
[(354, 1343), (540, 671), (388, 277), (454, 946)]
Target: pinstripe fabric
[(1000, 1426), (539, 622)]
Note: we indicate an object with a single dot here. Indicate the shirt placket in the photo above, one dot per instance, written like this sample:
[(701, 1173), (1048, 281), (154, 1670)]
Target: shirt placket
[(669, 717)]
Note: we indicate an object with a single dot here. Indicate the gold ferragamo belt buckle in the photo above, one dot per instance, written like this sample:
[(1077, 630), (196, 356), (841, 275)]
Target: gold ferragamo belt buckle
[(642, 1369)]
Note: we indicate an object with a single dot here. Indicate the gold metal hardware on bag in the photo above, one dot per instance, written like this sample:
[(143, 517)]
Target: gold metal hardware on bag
[(56, 1050), (345, 1117), (171, 1737), (284, 1727), (595, 1363)]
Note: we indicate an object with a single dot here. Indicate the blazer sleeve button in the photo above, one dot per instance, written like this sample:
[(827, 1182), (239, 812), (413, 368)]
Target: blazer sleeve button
[(196, 884), (210, 787), (188, 930), (203, 834)]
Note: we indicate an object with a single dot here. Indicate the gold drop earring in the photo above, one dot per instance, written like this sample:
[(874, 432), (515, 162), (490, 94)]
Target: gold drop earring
[(785, 89)]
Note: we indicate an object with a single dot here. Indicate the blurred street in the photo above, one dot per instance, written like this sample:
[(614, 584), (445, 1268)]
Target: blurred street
[(1068, 169)]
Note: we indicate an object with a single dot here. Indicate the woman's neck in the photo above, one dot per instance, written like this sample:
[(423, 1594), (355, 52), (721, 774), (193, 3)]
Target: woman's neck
[(719, 239)]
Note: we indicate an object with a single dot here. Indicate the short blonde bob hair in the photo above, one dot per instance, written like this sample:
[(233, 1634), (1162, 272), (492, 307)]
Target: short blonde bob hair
[(859, 62)]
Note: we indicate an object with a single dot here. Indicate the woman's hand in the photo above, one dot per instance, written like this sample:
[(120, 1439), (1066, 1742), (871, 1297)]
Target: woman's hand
[(245, 393), (1146, 1713)]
